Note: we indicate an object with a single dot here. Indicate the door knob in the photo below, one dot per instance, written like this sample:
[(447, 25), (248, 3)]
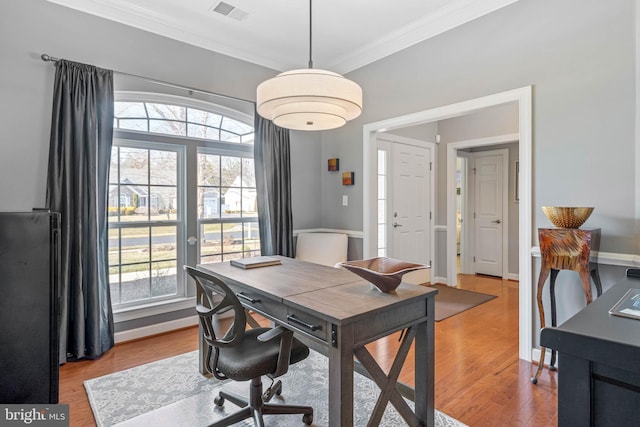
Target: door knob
[(497, 221), (396, 225)]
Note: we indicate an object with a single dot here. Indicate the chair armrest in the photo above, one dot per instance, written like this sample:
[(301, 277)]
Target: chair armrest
[(204, 311), (286, 341), (271, 334)]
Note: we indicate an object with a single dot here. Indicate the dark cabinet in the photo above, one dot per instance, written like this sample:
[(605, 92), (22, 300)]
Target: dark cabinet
[(29, 252)]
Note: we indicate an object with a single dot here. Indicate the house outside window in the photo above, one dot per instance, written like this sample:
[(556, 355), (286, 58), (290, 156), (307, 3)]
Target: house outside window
[(180, 169)]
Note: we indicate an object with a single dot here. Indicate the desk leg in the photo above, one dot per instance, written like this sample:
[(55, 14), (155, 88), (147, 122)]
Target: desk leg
[(575, 388), (424, 367), (544, 273), (341, 379), (388, 383)]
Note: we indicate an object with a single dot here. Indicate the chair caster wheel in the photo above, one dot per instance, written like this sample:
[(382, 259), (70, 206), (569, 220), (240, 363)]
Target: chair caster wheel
[(218, 400), (307, 419), (534, 380)]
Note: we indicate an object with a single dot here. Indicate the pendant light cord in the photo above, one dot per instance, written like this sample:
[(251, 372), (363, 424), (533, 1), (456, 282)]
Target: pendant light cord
[(310, 35)]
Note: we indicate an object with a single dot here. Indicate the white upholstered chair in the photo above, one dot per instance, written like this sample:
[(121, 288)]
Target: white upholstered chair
[(322, 248)]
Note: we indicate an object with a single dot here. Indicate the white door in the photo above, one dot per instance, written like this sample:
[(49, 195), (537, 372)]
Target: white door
[(489, 212), (411, 206)]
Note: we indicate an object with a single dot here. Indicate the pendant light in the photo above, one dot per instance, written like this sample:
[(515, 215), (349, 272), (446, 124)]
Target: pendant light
[(309, 99)]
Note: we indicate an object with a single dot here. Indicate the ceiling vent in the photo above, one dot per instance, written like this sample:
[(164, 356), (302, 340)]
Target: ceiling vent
[(230, 10)]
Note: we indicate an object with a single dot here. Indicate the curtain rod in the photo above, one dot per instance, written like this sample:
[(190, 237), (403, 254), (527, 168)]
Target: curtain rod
[(47, 58)]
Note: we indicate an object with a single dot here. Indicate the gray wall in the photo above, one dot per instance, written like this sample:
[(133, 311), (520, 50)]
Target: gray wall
[(580, 58), (423, 132), (496, 121), (306, 168)]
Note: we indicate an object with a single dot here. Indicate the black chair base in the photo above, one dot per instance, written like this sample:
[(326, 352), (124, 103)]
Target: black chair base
[(256, 407)]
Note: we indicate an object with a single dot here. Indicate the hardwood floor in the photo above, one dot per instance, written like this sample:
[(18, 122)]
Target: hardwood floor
[(479, 379)]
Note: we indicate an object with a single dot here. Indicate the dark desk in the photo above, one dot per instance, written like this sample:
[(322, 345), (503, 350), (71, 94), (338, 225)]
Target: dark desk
[(599, 354), (341, 312)]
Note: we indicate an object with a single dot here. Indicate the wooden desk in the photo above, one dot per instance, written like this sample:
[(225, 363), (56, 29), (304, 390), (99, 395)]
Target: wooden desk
[(599, 376), (342, 312), (566, 249)]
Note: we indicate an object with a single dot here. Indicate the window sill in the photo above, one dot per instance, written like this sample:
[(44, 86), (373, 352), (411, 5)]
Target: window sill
[(146, 310)]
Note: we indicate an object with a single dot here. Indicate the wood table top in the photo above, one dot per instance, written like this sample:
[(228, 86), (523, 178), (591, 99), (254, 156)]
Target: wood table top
[(334, 293)]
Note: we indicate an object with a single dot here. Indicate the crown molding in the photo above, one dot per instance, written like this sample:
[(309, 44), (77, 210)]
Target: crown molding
[(453, 14), (172, 28)]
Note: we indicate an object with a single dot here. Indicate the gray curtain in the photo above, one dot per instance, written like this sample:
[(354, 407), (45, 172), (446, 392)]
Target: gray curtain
[(77, 182), (273, 185)]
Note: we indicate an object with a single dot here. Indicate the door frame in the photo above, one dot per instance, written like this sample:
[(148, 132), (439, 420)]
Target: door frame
[(471, 206), (466, 237), (384, 140), (523, 97)]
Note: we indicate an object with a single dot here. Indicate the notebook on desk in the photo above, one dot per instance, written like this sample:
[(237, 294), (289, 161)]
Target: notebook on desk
[(254, 262)]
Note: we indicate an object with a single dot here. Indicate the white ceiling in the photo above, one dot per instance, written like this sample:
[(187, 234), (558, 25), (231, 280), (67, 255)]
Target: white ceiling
[(347, 34)]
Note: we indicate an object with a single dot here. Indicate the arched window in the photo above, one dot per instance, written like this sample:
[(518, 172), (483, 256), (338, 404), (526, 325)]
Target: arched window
[(180, 120), (182, 191)]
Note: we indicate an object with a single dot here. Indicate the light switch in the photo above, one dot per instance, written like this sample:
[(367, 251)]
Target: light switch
[(345, 200)]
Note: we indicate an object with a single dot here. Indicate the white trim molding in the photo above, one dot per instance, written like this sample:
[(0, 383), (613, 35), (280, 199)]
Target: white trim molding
[(231, 40), (605, 258), (535, 356), (349, 233), (157, 328), (138, 312)]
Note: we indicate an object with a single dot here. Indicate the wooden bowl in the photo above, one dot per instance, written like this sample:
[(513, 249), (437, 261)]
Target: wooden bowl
[(567, 217), (385, 273)]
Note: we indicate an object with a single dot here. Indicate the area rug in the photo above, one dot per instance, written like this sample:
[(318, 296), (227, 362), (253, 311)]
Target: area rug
[(451, 301), (171, 392)]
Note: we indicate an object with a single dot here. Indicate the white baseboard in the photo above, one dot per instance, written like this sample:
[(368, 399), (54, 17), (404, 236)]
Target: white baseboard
[(512, 276), (437, 279), (535, 356), (350, 233), (159, 328)]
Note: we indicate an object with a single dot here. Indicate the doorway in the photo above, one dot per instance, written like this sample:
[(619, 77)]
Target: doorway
[(445, 243), (405, 201), (482, 212)]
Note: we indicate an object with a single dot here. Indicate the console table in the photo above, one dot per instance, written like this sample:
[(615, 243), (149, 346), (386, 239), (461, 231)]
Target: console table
[(566, 249), (599, 381)]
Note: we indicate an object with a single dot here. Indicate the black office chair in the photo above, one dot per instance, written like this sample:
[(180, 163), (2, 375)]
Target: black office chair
[(243, 354)]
